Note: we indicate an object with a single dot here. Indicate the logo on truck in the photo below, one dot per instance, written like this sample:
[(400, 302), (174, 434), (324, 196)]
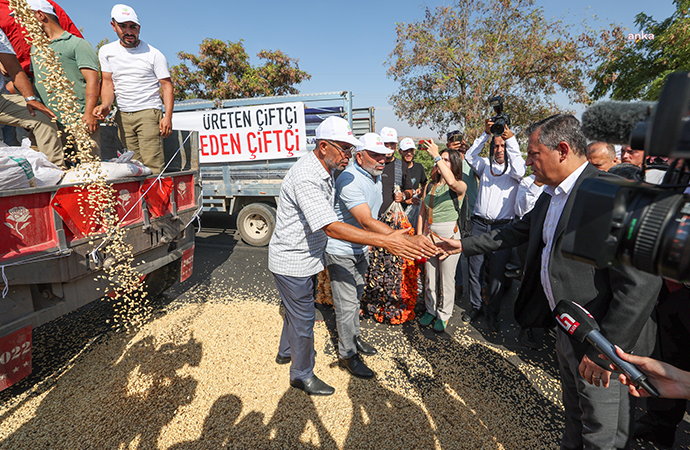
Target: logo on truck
[(20, 216), (124, 198), (182, 188)]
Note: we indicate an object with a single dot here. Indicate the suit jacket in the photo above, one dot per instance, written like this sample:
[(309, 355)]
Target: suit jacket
[(620, 298)]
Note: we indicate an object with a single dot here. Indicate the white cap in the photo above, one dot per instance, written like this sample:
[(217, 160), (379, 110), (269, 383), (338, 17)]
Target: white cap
[(123, 13), (389, 134), (407, 144), (336, 129), (373, 143), (41, 5)]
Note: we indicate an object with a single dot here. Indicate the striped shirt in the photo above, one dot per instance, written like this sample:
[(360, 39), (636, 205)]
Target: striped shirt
[(305, 206)]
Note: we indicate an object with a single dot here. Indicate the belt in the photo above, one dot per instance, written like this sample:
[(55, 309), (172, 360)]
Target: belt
[(491, 222)]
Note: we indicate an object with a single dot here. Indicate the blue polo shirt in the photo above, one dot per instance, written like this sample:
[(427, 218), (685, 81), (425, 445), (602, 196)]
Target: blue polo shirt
[(352, 188)]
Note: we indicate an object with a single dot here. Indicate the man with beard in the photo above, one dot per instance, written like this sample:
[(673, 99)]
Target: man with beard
[(418, 178), (304, 221), (357, 198), (136, 73)]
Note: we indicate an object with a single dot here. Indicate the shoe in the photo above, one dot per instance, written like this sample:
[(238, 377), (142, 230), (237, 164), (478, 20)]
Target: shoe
[(426, 319), (364, 348), (659, 435), (492, 322), (356, 366), (471, 316), (283, 359), (440, 325), (313, 386), (528, 340), (513, 273)]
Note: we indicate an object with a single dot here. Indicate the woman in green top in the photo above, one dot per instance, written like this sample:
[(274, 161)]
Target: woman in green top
[(439, 216)]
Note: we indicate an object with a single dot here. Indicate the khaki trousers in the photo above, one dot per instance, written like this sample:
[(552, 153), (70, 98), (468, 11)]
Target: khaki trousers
[(139, 132), (13, 112)]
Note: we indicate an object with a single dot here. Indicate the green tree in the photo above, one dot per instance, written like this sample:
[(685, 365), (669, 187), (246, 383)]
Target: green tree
[(635, 65), (222, 70), (452, 61)]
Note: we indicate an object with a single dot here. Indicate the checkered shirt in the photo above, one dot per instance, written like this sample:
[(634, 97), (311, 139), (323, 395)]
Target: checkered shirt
[(305, 206)]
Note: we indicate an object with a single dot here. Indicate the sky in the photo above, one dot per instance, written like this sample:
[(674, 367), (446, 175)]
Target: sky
[(343, 45)]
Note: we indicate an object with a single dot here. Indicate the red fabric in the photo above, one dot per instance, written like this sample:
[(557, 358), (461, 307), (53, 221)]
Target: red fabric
[(72, 205), (16, 37), (158, 197)]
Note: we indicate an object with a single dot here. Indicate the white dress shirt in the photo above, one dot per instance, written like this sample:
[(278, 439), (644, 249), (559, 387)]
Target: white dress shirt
[(527, 196), (559, 197), (496, 196)]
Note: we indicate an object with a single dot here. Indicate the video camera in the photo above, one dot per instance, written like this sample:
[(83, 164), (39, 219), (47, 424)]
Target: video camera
[(501, 120), (637, 224)]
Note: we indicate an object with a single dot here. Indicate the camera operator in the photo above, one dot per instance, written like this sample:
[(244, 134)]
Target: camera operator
[(620, 298), (495, 208)]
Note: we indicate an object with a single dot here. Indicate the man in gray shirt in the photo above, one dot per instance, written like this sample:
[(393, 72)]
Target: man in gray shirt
[(305, 219)]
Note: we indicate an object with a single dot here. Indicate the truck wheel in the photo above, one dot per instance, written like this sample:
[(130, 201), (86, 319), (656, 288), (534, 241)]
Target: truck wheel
[(161, 279), (256, 223)]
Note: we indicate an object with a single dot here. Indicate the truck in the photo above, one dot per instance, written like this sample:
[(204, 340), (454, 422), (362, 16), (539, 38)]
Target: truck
[(249, 190), (50, 263)]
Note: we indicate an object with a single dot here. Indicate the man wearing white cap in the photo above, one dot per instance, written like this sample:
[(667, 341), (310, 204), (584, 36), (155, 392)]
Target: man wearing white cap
[(394, 173), (80, 63), (417, 177), (135, 73), (304, 221), (357, 200)]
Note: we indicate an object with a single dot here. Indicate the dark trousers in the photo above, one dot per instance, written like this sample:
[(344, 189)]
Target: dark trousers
[(495, 268), (297, 338)]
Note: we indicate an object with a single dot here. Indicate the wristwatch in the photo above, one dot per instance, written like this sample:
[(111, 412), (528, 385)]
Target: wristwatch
[(32, 98), (437, 159)]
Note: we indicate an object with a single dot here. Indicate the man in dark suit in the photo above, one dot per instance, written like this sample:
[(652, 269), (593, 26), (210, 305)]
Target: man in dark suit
[(620, 298)]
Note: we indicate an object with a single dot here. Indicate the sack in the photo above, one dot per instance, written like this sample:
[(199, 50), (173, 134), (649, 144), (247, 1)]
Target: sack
[(16, 173), (122, 167), (44, 172)]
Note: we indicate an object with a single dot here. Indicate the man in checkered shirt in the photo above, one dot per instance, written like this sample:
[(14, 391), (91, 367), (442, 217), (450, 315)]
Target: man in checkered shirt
[(305, 220)]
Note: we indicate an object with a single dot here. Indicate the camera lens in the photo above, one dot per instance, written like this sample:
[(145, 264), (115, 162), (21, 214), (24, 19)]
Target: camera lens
[(497, 128)]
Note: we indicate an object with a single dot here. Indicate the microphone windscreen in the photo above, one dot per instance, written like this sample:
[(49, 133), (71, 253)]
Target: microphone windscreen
[(575, 319), (613, 122)]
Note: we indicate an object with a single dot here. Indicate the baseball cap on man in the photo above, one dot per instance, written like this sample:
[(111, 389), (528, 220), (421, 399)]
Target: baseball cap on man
[(41, 5), (407, 144), (373, 143), (336, 129), (123, 13), (389, 134)]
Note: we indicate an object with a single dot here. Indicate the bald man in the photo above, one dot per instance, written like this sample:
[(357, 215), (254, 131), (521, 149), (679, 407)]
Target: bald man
[(602, 155)]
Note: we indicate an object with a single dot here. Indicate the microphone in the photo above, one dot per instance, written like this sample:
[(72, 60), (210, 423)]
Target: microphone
[(580, 324), (613, 122)]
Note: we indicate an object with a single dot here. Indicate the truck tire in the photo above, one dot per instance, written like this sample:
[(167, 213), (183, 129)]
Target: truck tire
[(256, 223), (161, 279)]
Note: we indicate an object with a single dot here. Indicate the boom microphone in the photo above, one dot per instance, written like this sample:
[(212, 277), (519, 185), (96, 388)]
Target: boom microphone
[(580, 324), (613, 122)]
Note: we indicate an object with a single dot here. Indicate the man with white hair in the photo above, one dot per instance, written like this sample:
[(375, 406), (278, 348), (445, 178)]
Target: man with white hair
[(304, 221), (136, 73)]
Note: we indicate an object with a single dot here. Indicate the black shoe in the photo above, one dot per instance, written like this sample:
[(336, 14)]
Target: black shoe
[(492, 322), (471, 316), (313, 386), (356, 366), (364, 348), (528, 340), (283, 359)]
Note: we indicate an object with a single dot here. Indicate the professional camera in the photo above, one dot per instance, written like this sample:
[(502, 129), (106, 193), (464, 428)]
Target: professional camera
[(637, 224), (501, 120)]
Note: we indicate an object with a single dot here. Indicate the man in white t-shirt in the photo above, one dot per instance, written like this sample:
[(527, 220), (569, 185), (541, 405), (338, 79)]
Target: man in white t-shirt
[(136, 74)]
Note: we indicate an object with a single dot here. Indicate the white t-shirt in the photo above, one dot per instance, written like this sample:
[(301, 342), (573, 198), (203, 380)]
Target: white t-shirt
[(5, 46), (136, 72)]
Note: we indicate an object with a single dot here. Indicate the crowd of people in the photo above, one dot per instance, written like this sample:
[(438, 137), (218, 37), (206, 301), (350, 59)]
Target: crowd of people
[(326, 223), (128, 72)]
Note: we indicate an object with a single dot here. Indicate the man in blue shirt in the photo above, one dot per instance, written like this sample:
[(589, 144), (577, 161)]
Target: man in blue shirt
[(358, 198)]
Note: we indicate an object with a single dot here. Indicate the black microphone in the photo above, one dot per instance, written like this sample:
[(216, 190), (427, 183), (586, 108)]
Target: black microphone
[(580, 324), (613, 122)]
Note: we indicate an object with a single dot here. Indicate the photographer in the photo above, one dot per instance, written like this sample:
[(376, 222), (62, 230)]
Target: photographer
[(620, 298)]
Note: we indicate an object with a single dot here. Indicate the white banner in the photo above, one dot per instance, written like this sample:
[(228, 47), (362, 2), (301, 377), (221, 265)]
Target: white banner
[(249, 133)]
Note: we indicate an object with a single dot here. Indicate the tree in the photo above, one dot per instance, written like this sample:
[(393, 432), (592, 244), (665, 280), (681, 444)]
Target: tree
[(451, 62), (635, 65), (222, 71)]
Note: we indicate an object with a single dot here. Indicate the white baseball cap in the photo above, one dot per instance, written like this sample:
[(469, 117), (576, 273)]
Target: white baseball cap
[(389, 134), (373, 143), (123, 13), (41, 5), (336, 129), (407, 144)]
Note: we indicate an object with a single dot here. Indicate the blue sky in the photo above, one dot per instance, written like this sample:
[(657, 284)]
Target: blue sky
[(343, 45)]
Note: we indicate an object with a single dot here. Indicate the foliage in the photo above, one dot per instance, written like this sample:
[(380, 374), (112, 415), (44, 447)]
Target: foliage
[(222, 71), (636, 69), (452, 61)]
